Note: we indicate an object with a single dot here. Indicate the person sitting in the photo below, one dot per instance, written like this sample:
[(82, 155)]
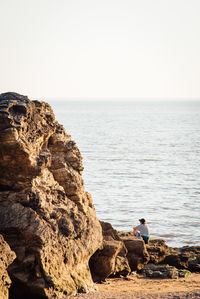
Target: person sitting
[(144, 230)]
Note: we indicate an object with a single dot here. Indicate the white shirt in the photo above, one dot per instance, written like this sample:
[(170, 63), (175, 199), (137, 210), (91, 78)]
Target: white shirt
[(143, 228)]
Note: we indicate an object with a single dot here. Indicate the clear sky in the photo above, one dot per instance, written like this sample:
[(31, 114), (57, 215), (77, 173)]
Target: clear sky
[(100, 48)]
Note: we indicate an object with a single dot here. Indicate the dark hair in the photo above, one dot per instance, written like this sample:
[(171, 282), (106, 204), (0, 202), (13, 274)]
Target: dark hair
[(142, 220)]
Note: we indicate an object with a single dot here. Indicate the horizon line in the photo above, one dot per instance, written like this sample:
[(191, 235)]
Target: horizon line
[(117, 98)]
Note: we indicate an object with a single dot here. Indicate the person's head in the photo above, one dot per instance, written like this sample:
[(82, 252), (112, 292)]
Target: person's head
[(142, 221)]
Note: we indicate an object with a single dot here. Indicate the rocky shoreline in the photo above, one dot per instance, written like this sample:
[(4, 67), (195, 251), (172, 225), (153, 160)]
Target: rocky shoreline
[(52, 244)]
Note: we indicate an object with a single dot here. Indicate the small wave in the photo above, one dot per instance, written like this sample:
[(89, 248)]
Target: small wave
[(151, 160), (189, 242), (168, 235)]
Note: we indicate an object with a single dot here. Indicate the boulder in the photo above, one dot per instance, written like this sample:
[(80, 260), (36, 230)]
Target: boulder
[(102, 263), (122, 267), (111, 259), (176, 258), (137, 253), (109, 232), (163, 271), (157, 250), (47, 217), (184, 258), (7, 257), (194, 257)]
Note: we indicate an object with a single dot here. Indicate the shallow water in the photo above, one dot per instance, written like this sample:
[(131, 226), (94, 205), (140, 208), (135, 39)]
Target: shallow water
[(141, 159)]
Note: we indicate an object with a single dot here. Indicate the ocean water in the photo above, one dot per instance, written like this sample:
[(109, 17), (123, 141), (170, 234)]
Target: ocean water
[(141, 160)]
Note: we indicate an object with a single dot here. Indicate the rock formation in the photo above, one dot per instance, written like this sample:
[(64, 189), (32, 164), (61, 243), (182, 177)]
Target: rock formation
[(137, 252), (184, 258), (110, 260), (47, 217), (157, 250), (102, 263), (7, 257), (163, 271), (122, 253)]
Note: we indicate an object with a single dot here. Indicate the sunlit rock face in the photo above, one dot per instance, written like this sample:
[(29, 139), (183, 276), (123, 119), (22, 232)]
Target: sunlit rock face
[(111, 258), (7, 256), (47, 217)]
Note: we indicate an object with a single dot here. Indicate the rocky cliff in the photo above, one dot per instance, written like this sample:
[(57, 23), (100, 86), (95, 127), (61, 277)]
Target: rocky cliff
[(47, 217)]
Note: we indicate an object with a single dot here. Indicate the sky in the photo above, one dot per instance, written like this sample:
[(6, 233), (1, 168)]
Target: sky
[(100, 48)]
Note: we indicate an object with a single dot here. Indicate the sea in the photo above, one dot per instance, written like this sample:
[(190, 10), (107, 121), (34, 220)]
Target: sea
[(141, 160)]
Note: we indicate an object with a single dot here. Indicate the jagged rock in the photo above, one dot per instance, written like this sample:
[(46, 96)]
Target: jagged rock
[(125, 234), (163, 271), (137, 253), (122, 267), (111, 259), (160, 271), (109, 231), (157, 250), (184, 258), (194, 257), (102, 263), (133, 256), (177, 259), (47, 217), (7, 257)]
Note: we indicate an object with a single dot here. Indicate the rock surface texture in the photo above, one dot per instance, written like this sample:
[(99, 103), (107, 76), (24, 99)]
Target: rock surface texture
[(47, 217), (163, 271), (187, 257), (137, 252), (6, 258), (110, 260), (157, 250)]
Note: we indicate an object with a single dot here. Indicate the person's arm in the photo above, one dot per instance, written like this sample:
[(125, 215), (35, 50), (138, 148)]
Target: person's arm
[(134, 230)]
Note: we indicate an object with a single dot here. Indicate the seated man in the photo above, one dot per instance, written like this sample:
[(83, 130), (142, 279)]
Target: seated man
[(144, 230)]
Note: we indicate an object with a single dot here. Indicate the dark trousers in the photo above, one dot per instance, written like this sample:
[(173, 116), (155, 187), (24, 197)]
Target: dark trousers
[(146, 239)]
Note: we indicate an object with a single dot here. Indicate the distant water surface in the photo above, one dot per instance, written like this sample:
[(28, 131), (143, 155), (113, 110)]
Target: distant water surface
[(141, 159)]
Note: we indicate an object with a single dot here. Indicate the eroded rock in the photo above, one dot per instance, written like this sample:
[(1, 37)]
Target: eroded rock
[(47, 217), (102, 263), (187, 257), (163, 271), (111, 259), (137, 252), (122, 267), (157, 250), (7, 256)]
